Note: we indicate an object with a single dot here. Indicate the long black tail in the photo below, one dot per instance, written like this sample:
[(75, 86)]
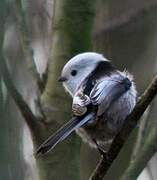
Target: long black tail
[(63, 132)]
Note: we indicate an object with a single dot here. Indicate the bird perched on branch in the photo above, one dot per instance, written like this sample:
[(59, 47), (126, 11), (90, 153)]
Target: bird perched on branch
[(102, 99)]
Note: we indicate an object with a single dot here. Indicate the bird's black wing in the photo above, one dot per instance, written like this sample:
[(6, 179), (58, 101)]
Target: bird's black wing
[(108, 90), (63, 132)]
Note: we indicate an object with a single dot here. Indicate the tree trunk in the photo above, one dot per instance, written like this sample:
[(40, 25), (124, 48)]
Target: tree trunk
[(72, 26), (11, 157)]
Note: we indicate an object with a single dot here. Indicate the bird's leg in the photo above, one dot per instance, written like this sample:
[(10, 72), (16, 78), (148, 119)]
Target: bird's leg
[(80, 101), (102, 153)]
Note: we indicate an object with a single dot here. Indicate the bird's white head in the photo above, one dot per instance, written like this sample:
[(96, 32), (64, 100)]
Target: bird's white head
[(78, 68)]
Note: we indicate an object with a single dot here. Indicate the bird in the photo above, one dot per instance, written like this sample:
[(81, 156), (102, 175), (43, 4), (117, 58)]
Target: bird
[(102, 98)]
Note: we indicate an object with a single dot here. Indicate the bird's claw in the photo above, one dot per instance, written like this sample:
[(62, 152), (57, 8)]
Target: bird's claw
[(80, 101)]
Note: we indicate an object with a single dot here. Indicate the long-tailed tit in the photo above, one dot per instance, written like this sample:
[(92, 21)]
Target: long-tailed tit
[(102, 99)]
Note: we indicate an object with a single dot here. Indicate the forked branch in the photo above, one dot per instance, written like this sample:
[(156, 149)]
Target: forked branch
[(31, 120)]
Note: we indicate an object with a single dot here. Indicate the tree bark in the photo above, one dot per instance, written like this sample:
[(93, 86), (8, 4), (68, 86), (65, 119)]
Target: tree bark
[(72, 25), (11, 158)]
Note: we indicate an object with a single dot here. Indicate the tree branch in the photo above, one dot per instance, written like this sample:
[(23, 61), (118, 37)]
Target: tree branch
[(148, 150), (25, 42), (32, 122), (129, 125)]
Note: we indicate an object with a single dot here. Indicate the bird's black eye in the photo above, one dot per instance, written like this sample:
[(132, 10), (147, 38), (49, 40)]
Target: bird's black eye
[(73, 72)]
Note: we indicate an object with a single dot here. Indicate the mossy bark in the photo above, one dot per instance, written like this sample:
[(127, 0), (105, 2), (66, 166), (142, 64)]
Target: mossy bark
[(72, 29)]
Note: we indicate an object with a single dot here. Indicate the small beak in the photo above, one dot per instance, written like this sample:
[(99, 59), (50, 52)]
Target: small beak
[(62, 79)]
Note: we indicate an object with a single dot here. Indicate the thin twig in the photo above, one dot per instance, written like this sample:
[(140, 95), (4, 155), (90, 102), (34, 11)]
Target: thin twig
[(127, 128)]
